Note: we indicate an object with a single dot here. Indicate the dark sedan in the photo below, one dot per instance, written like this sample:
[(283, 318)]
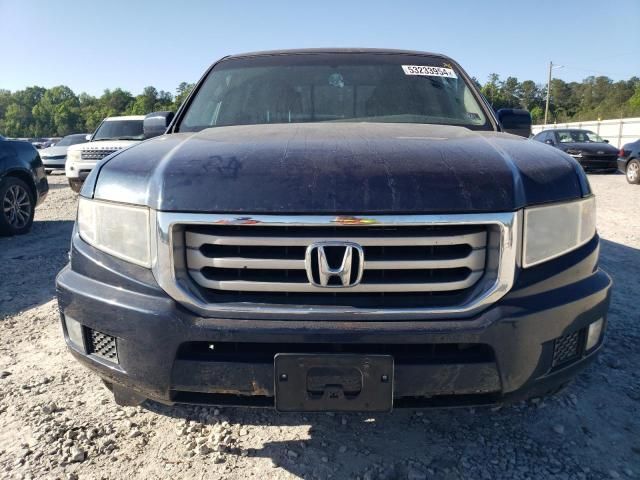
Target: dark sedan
[(589, 149), (23, 185), (629, 161)]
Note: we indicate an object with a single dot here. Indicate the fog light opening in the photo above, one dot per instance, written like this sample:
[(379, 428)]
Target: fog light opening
[(594, 333), (75, 333)]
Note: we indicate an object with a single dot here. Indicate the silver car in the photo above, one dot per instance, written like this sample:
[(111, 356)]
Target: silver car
[(55, 157)]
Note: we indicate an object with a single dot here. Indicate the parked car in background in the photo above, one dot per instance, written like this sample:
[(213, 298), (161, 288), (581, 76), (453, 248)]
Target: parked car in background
[(23, 186), (55, 157), (629, 161), (335, 230), (38, 142), (50, 142), (113, 134), (589, 149)]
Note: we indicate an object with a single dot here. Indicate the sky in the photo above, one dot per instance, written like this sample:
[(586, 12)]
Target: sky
[(90, 46)]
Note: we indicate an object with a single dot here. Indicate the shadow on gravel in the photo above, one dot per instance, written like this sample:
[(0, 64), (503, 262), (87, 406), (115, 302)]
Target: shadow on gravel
[(621, 262), (30, 263), (58, 186), (400, 445)]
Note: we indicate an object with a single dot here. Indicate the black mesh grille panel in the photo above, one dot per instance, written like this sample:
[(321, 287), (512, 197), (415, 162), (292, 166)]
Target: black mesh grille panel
[(97, 154), (103, 345), (567, 348)]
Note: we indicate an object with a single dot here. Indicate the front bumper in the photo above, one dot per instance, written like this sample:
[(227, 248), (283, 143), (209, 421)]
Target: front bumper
[(58, 163), (169, 354)]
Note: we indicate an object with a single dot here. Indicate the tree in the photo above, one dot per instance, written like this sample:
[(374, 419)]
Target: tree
[(634, 101), (116, 102), (510, 92), (182, 92), (146, 102), (530, 95), (57, 112), (491, 91)]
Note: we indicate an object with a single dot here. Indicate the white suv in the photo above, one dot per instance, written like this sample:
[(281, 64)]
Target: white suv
[(113, 134)]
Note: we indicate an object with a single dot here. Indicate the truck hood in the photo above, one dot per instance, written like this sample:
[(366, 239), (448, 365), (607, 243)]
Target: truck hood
[(53, 151), (327, 168)]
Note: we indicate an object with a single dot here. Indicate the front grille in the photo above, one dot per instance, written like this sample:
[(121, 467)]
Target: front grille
[(54, 157), (96, 153), (567, 348), (102, 345), (598, 159), (417, 267), (403, 266)]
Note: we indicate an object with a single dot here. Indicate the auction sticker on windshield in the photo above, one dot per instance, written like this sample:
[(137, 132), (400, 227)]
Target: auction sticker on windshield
[(428, 71)]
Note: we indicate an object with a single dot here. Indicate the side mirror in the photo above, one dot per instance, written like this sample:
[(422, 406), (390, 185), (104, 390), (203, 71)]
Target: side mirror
[(88, 137), (156, 123), (549, 141), (515, 121), (606, 141)]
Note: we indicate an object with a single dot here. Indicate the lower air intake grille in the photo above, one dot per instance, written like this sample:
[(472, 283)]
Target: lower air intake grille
[(567, 348), (103, 345)]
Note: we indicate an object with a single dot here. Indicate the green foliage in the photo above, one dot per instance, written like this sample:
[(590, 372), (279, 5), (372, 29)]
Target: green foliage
[(57, 111), (593, 98), (182, 92)]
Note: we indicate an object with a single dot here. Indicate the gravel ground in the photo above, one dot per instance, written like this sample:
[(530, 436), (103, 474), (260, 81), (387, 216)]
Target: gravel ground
[(58, 421)]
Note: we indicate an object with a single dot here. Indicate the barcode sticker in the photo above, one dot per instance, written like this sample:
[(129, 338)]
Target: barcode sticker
[(428, 71)]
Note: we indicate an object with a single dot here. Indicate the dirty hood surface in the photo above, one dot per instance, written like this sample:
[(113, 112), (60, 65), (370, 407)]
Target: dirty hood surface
[(338, 168)]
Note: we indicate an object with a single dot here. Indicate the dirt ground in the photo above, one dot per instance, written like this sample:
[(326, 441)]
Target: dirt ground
[(57, 421)]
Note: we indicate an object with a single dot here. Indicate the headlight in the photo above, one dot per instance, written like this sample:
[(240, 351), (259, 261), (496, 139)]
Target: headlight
[(117, 229), (553, 230)]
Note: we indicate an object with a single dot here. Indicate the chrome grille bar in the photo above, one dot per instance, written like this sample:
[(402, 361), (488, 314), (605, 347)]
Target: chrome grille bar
[(243, 286), (196, 240), (197, 261)]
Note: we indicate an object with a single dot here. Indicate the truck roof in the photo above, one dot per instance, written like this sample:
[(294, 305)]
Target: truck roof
[(334, 51)]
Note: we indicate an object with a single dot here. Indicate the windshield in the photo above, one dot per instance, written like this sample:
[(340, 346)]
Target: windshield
[(71, 140), (578, 136), (333, 88), (119, 130)]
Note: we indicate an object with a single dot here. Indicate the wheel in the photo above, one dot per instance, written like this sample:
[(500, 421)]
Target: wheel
[(76, 185), (633, 172), (18, 207)]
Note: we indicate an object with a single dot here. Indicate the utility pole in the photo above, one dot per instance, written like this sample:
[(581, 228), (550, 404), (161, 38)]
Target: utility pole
[(546, 108)]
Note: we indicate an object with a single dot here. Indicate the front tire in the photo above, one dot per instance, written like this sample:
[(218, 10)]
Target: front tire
[(633, 172), (76, 185), (17, 207)]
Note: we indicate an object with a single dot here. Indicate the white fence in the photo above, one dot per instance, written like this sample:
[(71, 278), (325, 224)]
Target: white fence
[(618, 132)]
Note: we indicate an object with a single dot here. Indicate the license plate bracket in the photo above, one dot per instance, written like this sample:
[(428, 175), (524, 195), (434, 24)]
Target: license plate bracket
[(333, 382)]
